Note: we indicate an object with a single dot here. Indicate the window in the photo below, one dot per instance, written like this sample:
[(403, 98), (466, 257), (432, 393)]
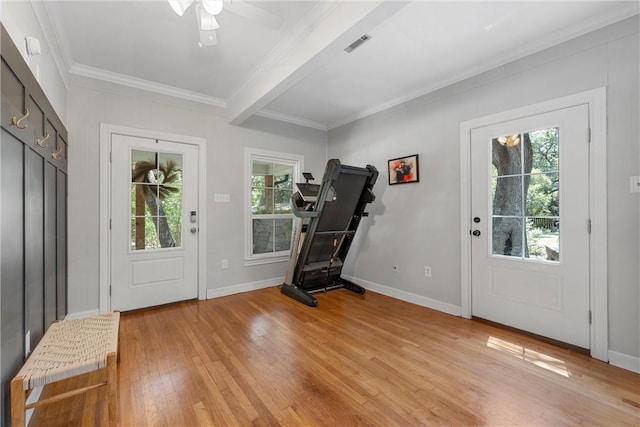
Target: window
[(526, 196), (270, 184)]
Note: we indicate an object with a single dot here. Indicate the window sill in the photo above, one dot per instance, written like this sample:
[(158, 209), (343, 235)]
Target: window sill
[(261, 261)]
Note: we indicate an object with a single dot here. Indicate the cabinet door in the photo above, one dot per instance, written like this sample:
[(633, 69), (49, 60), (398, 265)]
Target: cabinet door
[(50, 247), (12, 261), (34, 244), (61, 208)]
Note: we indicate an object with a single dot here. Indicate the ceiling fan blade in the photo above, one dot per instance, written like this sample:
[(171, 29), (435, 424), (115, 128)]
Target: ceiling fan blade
[(208, 38), (255, 14)]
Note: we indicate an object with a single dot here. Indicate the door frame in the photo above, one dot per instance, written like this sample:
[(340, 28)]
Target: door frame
[(106, 130), (598, 285)]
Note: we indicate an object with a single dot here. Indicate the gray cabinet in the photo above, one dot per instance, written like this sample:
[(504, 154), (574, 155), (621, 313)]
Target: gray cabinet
[(33, 215)]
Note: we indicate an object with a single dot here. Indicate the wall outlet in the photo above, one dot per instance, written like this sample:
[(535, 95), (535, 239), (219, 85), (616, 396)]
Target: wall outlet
[(427, 271), (224, 264), (634, 184)]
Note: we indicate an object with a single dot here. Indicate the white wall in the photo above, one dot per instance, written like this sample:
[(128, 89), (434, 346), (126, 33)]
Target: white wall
[(20, 20), (92, 102), (414, 225)]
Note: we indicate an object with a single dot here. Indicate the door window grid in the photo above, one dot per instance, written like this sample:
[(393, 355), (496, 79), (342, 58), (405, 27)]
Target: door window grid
[(156, 200), (525, 194)]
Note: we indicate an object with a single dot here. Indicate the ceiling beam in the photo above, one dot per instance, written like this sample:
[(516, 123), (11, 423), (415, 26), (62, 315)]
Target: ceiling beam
[(346, 22)]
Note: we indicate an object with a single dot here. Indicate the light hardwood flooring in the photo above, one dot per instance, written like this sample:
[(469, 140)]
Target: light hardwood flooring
[(260, 358)]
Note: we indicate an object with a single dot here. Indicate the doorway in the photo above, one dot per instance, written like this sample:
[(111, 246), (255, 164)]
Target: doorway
[(530, 246), (154, 243), (532, 258)]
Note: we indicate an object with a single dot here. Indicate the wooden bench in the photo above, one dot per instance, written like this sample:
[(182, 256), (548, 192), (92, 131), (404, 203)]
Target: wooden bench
[(68, 349)]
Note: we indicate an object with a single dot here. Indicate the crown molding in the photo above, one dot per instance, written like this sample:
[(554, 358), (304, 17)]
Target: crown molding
[(122, 79), (292, 119)]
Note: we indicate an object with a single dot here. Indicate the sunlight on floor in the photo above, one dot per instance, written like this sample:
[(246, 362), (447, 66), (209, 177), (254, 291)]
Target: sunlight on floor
[(539, 359)]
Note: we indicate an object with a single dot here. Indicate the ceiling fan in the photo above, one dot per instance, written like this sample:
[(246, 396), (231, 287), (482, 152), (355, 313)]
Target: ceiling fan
[(207, 10)]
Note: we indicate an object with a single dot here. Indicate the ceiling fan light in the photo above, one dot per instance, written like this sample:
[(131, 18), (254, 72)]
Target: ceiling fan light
[(180, 6), (214, 7), (206, 21)]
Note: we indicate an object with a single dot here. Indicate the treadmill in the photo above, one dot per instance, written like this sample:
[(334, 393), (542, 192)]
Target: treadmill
[(326, 219)]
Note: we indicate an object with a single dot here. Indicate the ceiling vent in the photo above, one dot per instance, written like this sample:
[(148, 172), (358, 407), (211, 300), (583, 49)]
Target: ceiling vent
[(356, 44)]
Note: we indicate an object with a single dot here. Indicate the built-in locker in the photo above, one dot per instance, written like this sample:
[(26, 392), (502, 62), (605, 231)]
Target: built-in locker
[(34, 244), (33, 216), (50, 244), (12, 264)]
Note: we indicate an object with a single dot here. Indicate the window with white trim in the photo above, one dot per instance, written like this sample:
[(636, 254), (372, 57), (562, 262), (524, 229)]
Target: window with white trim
[(270, 181)]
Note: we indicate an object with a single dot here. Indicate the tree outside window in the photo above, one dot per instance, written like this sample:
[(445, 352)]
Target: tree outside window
[(271, 218)]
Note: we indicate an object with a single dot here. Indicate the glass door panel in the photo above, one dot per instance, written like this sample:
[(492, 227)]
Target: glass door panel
[(156, 200), (525, 185)]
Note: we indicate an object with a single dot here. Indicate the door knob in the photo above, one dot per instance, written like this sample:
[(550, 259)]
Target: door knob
[(476, 233), (476, 220), (193, 230)]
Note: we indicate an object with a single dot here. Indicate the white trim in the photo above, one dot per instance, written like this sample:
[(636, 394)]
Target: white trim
[(624, 361), (274, 115), (106, 130), (82, 314), (406, 296), (134, 82), (596, 100), (243, 287), (297, 161)]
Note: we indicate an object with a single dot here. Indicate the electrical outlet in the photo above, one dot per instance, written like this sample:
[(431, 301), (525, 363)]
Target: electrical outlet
[(224, 264), (634, 184), (427, 271)]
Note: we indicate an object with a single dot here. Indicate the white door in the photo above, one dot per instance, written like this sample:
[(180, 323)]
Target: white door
[(530, 224), (154, 222)]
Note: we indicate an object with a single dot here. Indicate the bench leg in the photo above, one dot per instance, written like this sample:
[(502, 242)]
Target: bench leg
[(112, 388), (18, 402)]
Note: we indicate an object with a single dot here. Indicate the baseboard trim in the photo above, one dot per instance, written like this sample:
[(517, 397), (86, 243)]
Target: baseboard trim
[(407, 296), (624, 361), (82, 314), (243, 287)]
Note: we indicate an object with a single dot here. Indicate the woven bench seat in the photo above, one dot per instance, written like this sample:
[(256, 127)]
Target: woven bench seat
[(69, 348)]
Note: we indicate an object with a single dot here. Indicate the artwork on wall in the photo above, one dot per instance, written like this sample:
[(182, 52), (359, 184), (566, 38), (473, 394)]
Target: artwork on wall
[(403, 170)]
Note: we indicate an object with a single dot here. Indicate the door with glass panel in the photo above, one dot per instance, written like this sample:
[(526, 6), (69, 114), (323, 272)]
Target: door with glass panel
[(530, 224), (154, 222)]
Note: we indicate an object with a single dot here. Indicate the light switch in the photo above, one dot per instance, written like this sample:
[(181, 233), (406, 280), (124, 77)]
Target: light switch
[(217, 197), (634, 183)]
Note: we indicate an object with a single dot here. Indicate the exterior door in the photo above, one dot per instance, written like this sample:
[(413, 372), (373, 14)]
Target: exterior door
[(154, 222), (530, 224)]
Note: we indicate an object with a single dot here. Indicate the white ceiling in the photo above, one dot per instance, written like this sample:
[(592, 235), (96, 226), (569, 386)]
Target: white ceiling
[(298, 70)]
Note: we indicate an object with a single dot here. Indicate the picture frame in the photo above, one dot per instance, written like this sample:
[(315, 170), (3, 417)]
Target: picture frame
[(403, 170)]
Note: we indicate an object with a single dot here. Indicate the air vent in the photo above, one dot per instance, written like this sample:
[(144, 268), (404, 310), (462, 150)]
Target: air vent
[(356, 44)]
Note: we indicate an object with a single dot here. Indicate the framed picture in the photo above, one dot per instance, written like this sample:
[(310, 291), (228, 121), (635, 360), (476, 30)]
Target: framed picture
[(403, 170)]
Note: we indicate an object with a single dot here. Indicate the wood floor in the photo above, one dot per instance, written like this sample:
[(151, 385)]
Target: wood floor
[(262, 359)]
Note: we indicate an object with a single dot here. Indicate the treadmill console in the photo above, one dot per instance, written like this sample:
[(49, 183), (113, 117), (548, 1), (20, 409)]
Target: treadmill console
[(309, 192)]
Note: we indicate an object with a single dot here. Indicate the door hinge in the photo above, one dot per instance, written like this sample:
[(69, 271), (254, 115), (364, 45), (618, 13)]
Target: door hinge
[(590, 317), (589, 226), (110, 295), (110, 156), (109, 223), (589, 135)]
